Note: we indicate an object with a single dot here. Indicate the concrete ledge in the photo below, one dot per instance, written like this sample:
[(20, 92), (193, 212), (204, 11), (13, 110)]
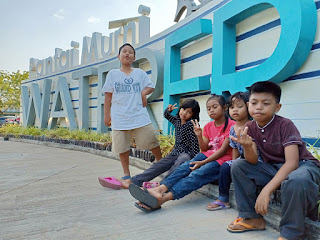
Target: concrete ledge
[(273, 217)]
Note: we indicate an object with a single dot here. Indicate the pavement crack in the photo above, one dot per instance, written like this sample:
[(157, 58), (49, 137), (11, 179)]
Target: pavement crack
[(62, 171)]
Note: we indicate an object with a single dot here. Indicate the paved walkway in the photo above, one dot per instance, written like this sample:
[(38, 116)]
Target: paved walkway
[(53, 193)]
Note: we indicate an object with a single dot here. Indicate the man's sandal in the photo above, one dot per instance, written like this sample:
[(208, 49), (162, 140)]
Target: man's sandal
[(143, 196), (146, 209), (247, 227)]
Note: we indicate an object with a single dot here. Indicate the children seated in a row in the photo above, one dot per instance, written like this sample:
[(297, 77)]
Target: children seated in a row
[(238, 111), (186, 143), (286, 164), (204, 168)]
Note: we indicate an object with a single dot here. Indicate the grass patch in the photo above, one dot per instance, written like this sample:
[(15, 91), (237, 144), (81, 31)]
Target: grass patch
[(166, 141), (315, 152)]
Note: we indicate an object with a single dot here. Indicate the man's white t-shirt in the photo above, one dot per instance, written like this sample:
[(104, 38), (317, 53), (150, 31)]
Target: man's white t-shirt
[(127, 111)]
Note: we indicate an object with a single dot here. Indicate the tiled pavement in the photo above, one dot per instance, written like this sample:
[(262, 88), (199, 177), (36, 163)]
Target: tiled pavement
[(53, 193)]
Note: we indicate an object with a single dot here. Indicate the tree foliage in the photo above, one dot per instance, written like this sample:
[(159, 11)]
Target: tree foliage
[(10, 89)]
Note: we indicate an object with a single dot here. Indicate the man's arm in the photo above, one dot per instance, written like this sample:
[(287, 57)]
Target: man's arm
[(146, 91), (107, 108), (251, 153), (291, 163)]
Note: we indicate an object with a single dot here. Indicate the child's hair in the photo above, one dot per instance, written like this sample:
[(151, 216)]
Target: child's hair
[(244, 96), (194, 105), (127, 44), (266, 87), (238, 95), (222, 102)]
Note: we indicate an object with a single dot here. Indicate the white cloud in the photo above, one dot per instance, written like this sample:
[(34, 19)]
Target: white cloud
[(59, 14), (93, 20)]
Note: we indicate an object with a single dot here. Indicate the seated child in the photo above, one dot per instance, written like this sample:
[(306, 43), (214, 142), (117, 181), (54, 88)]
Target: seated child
[(199, 171), (287, 163), (238, 111), (186, 143)]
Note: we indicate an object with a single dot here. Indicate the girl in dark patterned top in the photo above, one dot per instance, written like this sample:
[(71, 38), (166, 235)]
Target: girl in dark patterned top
[(238, 111), (185, 148), (204, 168)]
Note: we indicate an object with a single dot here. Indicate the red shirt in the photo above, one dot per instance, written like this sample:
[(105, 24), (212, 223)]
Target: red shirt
[(279, 133), (216, 137)]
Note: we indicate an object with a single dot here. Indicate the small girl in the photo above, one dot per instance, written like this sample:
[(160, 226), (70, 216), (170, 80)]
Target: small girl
[(238, 110), (199, 171), (185, 148)]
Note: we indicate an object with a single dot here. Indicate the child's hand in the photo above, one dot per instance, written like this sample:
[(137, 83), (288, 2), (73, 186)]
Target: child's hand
[(107, 120), (262, 202), (196, 165), (172, 107), (196, 128), (242, 137), (144, 99)]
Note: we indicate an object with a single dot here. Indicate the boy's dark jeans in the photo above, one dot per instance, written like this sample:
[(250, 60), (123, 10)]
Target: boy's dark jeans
[(170, 162), (299, 192)]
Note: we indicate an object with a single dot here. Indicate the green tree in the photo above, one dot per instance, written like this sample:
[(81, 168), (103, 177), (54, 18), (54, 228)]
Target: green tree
[(10, 89)]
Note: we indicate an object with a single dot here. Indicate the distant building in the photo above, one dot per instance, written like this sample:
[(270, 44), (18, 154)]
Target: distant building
[(10, 112)]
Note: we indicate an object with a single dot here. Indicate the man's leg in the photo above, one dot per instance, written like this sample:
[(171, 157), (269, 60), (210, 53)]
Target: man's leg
[(182, 171), (155, 170), (146, 138), (157, 153), (246, 177), (181, 158), (162, 195), (299, 195), (124, 159), (121, 144), (185, 185), (196, 179)]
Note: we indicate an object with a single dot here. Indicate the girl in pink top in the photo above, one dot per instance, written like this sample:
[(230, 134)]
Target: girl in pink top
[(204, 168)]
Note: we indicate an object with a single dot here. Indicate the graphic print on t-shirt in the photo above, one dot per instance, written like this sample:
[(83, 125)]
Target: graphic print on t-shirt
[(128, 80), (214, 143), (128, 87)]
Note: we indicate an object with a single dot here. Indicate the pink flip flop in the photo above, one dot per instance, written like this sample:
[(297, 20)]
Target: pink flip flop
[(110, 182), (150, 184)]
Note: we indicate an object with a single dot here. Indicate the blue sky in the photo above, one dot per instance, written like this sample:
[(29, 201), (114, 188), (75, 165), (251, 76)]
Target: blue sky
[(34, 28)]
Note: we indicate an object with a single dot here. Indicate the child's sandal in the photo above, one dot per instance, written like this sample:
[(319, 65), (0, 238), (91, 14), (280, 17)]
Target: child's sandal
[(150, 184), (219, 207), (126, 177)]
